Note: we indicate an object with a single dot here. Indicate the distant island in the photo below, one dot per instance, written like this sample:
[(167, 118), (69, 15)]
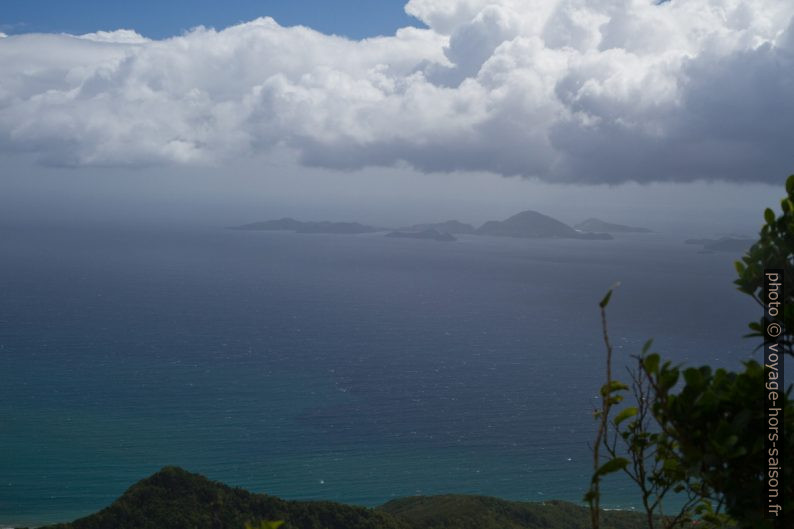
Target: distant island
[(453, 227), (175, 499), (533, 225), (289, 224), (424, 234), (526, 225), (592, 225), (723, 244)]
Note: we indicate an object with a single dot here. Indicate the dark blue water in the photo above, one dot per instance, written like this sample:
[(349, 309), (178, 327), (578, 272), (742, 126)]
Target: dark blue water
[(349, 368)]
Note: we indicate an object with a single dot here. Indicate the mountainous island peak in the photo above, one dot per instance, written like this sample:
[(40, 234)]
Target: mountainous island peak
[(531, 224)]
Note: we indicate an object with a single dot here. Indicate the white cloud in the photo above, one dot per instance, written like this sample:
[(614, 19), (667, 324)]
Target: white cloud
[(574, 90), (121, 36)]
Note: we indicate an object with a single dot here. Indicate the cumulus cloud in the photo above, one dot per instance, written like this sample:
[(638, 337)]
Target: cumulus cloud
[(122, 36), (567, 91)]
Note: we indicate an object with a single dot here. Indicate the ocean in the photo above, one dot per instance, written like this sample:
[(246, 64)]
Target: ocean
[(353, 368)]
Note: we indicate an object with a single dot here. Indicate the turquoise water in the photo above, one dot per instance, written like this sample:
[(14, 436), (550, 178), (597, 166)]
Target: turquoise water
[(349, 368)]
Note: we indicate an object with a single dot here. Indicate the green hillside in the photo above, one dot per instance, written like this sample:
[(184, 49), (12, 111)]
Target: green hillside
[(176, 499), (479, 512)]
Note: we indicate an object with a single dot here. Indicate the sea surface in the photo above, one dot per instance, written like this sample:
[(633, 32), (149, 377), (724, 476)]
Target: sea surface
[(349, 368)]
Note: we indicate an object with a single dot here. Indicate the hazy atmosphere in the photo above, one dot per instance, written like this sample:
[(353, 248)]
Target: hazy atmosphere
[(205, 114)]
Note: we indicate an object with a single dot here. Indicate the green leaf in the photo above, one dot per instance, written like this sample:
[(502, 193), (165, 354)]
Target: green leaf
[(755, 326), (613, 465), (769, 216), (646, 347), (631, 411), (651, 363), (605, 301), (668, 379), (693, 377), (614, 385), (790, 185)]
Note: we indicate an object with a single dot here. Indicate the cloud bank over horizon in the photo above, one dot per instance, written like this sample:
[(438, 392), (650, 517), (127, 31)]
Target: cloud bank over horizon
[(569, 91)]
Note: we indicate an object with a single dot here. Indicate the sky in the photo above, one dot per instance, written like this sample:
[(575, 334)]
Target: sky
[(628, 109), (157, 19)]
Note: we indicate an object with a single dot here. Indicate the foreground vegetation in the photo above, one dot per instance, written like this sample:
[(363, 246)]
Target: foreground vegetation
[(699, 433), (176, 499)]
